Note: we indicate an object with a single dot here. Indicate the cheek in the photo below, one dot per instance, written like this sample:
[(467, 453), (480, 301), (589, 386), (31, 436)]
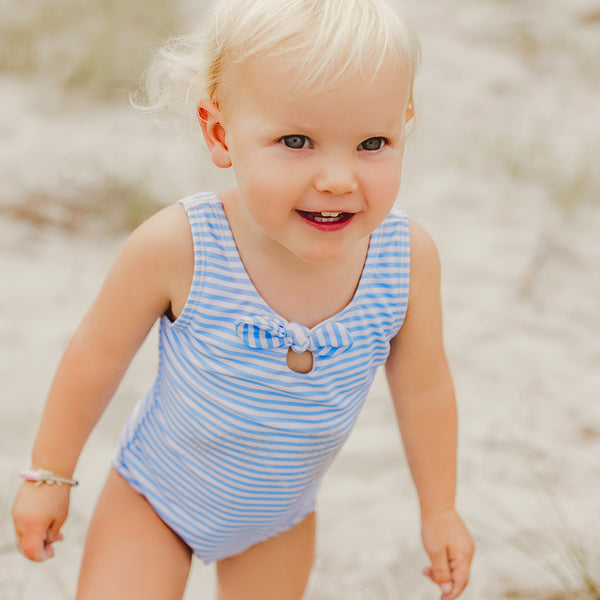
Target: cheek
[(246, 165), (396, 168), (385, 176), (263, 170)]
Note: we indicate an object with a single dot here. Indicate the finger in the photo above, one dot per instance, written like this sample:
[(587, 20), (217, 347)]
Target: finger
[(460, 579), (53, 536), (440, 567), (446, 587), (48, 547), (440, 572), (48, 551), (32, 546)]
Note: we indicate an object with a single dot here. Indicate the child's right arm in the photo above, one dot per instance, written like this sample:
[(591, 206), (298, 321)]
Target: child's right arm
[(151, 276)]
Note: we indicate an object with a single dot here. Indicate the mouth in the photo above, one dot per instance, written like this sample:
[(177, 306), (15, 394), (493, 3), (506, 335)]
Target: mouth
[(326, 218)]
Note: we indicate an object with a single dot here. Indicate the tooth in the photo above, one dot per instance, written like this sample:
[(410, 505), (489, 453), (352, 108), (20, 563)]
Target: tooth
[(330, 214)]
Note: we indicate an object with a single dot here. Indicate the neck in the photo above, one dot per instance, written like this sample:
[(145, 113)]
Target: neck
[(298, 290)]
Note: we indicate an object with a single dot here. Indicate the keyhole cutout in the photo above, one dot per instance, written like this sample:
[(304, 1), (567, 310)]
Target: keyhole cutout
[(300, 362)]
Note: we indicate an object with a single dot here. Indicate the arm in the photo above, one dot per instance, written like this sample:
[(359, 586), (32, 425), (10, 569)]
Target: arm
[(150, 276), (423, 396)]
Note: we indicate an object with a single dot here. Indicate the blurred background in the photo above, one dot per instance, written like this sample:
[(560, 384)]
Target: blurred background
[(501, 169)]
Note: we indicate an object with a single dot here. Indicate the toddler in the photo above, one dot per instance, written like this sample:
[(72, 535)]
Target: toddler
[(277, 301)]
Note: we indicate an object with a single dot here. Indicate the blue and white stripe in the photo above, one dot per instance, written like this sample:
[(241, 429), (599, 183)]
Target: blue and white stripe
[(230, 445)]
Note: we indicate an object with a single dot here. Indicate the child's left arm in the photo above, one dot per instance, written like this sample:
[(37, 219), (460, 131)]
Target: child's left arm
[(423, 395)]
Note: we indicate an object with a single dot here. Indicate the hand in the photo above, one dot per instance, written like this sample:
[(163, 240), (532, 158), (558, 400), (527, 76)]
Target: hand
[(39, 512), (450, 548)]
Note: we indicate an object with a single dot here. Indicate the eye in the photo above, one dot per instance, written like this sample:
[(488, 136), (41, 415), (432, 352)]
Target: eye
[(296, 142), (372, 144)]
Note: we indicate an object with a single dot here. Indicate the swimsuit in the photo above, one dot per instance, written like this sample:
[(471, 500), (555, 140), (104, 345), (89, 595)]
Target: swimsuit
[(230, 445)]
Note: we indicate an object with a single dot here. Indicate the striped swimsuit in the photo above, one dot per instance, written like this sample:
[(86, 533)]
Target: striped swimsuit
[(229, 445)]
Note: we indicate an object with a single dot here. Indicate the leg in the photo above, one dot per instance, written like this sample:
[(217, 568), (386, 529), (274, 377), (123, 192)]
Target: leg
[(277, 569), (130, 553)]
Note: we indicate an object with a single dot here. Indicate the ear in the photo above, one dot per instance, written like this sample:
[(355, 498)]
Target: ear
[(213, 130), (410, 111), (410, 118)]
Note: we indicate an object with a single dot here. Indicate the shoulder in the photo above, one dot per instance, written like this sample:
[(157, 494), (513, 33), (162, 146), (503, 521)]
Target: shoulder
[(162, 249), (164, 237), (425, 268), (415, 248), (417, 350)]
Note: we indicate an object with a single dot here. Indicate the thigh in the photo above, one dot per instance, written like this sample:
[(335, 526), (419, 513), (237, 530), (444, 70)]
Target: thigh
[(277, 569), (130, 553)]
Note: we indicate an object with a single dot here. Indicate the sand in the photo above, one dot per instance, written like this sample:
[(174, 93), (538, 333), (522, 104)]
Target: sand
[(501, 169)]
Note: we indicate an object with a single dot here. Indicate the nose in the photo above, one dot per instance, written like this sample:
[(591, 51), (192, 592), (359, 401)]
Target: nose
[(336, 177)]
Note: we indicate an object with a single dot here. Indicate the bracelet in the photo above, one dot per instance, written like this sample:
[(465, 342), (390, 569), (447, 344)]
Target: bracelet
[(41, 476)]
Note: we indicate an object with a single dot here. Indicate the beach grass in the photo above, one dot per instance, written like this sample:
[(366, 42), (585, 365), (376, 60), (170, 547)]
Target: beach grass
[(570, 561), (93, 47), (115, 207)]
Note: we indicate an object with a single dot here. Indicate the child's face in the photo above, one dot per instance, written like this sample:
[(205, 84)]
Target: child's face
[(317, 172)]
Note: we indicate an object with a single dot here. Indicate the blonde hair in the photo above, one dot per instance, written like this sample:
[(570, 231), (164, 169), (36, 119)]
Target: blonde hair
[(331, 38)]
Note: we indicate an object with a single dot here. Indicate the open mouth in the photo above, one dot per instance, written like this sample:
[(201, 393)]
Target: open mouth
[(326, 217)]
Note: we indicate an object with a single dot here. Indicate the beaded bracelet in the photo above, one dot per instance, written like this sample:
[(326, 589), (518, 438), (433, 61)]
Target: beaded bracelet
[(41, 476)]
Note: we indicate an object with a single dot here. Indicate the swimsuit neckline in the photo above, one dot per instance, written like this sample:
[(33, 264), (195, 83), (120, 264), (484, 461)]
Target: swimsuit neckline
[(235, 258)]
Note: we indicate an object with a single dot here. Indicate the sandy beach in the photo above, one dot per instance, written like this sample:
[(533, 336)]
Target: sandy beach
[(501, 169)]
